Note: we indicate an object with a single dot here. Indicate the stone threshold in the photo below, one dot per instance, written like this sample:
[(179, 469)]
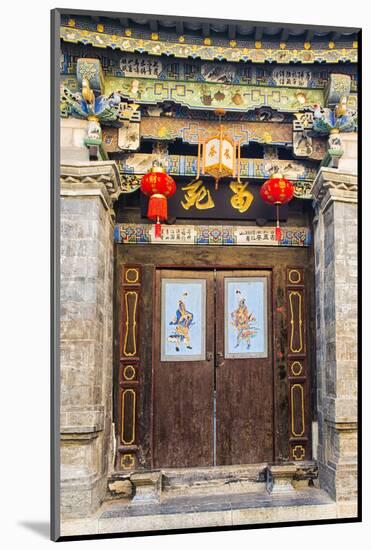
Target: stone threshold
[(222, 479), (154, 485), (176, 512)]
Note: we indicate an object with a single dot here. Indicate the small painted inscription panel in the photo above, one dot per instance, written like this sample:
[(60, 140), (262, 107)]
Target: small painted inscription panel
[(246, 330), (183, 319)]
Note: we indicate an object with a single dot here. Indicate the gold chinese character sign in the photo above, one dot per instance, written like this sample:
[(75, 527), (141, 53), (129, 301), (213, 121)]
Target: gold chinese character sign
[(197, 195), (242, 198)]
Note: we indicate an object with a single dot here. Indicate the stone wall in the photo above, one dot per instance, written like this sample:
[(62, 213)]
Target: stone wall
[(335, 242), (86, 335), (73, 132), (348, 162)]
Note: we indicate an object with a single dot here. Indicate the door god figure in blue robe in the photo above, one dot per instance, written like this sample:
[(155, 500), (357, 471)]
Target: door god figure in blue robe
[(182, 322)]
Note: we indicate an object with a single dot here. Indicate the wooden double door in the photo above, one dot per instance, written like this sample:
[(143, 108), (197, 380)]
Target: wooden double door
[(213, 368)]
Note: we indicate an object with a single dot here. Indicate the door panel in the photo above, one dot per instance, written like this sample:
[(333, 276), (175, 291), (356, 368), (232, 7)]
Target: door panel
[(183, 368), (244, 375)]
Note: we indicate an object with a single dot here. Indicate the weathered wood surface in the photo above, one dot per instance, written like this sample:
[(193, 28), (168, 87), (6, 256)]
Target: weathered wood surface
[(244, 390), (183, 392), (207, 257)]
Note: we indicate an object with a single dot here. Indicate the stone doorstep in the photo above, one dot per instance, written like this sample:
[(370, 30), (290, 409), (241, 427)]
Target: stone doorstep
[(214, 480), (172, 476), (155, 485), (210, 511)]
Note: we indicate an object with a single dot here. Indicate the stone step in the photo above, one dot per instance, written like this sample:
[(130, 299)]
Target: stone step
[(153, 485), (205, 511), (217, 479)]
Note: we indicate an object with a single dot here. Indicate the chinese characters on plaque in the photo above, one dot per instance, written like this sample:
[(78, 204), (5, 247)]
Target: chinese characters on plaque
[(211, 235), (233, 200)]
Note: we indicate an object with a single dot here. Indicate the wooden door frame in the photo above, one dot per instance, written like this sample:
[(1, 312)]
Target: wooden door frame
[(154, 257)]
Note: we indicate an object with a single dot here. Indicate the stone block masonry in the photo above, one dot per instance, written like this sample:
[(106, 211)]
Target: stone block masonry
[(335, 242), (86, 334)]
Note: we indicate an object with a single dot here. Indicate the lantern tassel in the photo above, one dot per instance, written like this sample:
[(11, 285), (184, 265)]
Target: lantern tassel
[(278, 229), (157, 207), (157, 211), (278, 232), (157, 229)]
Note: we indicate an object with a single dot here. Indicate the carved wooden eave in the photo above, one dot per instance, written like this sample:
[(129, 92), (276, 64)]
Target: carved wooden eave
[(257, 54), (98, 178)]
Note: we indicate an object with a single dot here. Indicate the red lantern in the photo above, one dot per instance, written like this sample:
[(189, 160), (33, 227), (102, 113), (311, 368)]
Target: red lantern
[(158, 185), (277, 191)]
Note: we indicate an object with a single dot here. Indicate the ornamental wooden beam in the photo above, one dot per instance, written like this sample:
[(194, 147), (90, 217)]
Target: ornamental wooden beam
[(210, 52), (228, 235), (186, 165)]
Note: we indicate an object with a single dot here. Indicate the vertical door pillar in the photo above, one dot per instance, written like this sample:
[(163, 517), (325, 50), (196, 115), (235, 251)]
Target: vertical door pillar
[(86, 264), (335, 245)]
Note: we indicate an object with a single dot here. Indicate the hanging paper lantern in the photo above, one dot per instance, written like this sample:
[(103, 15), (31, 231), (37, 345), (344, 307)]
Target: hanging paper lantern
[(219, 156), (277, 191), (157, 185)]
